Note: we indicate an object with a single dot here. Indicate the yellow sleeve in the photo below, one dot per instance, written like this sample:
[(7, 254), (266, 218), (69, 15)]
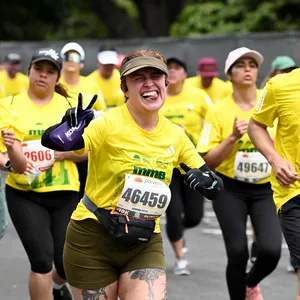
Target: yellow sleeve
[(211, 132), (94, 135), (189, 154), (266, 109), (9, 119)]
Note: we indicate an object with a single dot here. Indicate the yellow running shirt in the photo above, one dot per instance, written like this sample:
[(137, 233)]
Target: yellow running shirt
[(36, 119), (217, 91), (88, 89), (188, 110), (280, 99), (10, 87), (110, 88), (9, 120), (244, 162), (118, 146)]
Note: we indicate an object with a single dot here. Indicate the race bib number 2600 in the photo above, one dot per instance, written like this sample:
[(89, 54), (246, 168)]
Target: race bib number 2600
[(143, 197)]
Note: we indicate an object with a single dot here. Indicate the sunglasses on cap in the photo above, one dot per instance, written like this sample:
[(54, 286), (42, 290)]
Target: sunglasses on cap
[(72, 56)]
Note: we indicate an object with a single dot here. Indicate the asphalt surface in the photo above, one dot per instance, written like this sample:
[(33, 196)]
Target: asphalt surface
[(206, 255)]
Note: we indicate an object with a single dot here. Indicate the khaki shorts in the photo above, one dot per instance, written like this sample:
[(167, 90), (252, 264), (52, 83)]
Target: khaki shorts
[(92, 259)]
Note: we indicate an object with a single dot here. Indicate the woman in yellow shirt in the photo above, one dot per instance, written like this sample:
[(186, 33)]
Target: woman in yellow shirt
[(73, 57), (40, 203), (114, 246), (186, 107), (226, 147)]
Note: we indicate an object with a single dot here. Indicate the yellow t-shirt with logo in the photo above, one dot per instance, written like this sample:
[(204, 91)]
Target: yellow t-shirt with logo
[(88, 89), (119, 146), (9, 120), (217, 91), (36, 119), (110, 88), (187, 109), (11, 87), (280, 99), (218, 126)]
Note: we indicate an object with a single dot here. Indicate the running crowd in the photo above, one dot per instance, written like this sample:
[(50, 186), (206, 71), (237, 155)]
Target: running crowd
[(89, 164)]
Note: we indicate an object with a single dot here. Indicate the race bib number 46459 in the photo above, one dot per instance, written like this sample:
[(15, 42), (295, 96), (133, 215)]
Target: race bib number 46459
[(143, 197)]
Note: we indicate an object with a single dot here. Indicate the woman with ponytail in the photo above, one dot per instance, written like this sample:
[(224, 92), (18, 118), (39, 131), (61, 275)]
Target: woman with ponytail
[(41, 202)]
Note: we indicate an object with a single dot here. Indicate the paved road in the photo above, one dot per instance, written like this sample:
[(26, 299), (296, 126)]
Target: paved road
[(206, 253)]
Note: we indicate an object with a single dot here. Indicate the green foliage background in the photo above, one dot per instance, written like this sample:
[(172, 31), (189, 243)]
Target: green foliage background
[(67, 19), (237, 16)]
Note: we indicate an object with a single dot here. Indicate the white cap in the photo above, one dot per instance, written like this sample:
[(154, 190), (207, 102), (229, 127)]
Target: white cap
[(72, 46), (235, 54), (108, 57)]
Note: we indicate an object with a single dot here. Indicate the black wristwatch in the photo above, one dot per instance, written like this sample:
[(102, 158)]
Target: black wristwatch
[(7, 166)]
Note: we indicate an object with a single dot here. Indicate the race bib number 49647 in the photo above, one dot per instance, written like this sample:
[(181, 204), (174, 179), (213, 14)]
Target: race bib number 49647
[(143, 197), (251, 167)]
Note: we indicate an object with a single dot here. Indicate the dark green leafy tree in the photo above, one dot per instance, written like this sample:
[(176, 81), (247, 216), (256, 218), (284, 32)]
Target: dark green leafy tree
[(69, 19), (237, 16)]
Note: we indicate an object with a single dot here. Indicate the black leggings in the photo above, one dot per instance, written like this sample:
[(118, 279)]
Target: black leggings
[(232, 208), (185, 209), (82, 172), (41, 221)]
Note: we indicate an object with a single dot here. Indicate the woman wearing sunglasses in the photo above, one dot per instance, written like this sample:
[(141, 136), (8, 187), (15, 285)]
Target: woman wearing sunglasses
[(73, 56)]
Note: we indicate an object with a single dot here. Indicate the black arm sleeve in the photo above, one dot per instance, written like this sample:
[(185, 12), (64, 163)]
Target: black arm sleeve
[(213, 193), (47, 142)]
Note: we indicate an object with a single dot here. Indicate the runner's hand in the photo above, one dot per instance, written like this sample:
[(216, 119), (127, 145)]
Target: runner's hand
[(240, 127), (284, 171), (30, 168), (8, 138), (196, 179), (71, 115)]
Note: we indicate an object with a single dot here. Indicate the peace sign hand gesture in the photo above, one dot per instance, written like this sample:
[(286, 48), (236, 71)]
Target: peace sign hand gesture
[(71, 115)]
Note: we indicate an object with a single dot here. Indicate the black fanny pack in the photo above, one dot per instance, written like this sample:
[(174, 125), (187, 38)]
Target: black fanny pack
[(121, 227)]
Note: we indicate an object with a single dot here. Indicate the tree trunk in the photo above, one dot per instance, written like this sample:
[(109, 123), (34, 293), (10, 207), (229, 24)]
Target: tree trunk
[(116, 20), (156, 16)]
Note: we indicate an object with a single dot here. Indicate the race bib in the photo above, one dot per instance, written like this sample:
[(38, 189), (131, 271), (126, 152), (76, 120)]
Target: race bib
[(251, 167), (143, 197), (42, 157)]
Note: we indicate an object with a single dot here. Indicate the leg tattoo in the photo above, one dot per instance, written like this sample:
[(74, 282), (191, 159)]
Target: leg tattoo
[(149, 275), (165, 293), (94, 294)]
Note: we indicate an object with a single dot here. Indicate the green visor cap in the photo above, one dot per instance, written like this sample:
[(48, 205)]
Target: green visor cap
[(143, 62), (282, 63)]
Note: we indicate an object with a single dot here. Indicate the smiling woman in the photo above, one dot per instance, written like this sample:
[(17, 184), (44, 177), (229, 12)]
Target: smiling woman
[(122, 205)]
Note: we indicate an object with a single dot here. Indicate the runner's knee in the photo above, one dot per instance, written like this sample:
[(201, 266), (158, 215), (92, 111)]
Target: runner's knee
[(41, 267), (174, 228), (238, 253), (192, 221)]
